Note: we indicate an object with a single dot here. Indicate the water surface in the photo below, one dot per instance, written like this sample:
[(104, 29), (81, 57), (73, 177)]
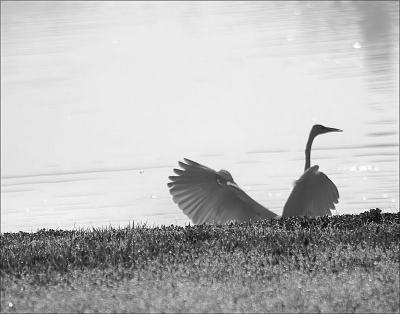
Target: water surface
[(100, 99)]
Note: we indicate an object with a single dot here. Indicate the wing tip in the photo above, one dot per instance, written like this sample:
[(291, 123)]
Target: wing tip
[(178, 171)]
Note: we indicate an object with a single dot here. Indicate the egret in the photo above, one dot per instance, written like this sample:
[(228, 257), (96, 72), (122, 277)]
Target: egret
[(209, 196)]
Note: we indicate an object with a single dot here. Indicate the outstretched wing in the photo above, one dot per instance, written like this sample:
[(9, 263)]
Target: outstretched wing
[(205, 198), (314, 194)]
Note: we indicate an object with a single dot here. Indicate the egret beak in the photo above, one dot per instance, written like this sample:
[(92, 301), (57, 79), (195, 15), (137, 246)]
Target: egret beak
[(333, 130), (233, 184)]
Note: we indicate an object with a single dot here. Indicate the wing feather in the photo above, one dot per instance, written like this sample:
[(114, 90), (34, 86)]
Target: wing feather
[(314, 194), (199, 195)]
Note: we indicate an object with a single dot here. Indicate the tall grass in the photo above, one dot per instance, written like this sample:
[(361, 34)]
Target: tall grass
[(324, 243), (340, 263)]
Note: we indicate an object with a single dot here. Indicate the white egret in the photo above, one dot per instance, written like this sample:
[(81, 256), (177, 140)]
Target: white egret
[(208, 196)]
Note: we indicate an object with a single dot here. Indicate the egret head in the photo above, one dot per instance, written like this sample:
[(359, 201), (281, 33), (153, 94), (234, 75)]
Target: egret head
[(225, 178), (318, 129)]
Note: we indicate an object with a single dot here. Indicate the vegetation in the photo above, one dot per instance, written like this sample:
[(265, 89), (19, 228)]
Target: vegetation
[(346, 263)]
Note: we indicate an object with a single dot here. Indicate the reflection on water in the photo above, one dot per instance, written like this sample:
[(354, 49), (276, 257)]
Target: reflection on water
[(100, 99)]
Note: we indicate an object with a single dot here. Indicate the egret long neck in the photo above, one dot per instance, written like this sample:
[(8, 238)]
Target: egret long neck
[(308, 151)]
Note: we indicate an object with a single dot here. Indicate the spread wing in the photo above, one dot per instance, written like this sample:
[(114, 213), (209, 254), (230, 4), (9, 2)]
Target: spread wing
[(205, 197), (314, 194)]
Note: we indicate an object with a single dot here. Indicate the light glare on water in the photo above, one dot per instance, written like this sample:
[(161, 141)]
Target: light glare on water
[(99, 100)]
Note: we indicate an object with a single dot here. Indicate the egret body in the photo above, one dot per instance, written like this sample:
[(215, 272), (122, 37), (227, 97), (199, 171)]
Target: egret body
[(208, 196)]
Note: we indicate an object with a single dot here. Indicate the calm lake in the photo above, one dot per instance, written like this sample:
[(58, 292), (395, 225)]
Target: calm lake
[(99, 100)]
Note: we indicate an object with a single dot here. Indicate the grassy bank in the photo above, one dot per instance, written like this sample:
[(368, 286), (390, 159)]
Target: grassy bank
[(331, 264)]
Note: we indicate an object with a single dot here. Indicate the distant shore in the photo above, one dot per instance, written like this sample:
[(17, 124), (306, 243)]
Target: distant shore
[(347, 263)]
